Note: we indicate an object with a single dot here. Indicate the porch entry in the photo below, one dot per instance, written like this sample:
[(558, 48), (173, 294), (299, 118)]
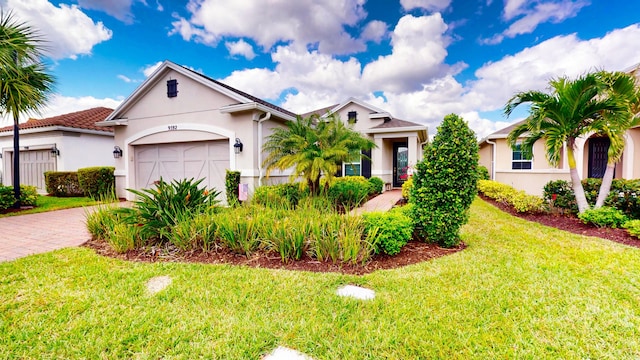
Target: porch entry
[(400, 163), (598, 148)]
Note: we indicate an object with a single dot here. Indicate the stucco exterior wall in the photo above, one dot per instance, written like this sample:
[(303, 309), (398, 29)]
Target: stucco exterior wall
[(532, 181)]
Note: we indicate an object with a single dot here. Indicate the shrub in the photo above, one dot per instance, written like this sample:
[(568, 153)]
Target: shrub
[(101, 220), (445, 182), (518, 199), (603, 217), (406, 188), (28, 195), (158, 210), (7, 198), (231, 183), (483, 173), (282, 196), (392, 230), (376, 185), (625, 196), (62, 183), (633, 227), (285, 232), (237, 231), (559, 194), (349, 192), (97, 182)]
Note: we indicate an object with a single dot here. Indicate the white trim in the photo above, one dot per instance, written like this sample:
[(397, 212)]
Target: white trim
[(358, 102), (396, 135), (628, 156), (379, 115), (395, 130), (344, 167), (230, 109)]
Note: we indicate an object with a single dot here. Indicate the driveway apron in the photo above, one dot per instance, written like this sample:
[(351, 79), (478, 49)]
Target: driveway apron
[(39, 233)]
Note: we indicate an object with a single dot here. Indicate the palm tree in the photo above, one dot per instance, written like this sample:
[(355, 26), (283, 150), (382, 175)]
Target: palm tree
[(573, 109), (621, 87), (24, 83), (313, 147)]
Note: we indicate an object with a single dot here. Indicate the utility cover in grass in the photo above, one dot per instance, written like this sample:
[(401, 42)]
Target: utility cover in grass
[(158, 283), (356, 292), (283, 353)]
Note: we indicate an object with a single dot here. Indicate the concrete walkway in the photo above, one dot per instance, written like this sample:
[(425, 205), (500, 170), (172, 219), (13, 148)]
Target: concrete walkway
[(382, 202), (38, 233)]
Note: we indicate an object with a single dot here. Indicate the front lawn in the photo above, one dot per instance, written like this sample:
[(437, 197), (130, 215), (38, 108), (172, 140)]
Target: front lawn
[(51, 203), (519, 290)]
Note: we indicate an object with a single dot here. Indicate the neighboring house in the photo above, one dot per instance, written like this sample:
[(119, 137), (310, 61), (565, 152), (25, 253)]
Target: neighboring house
[(508, 166), (181, 124), (60, 143)]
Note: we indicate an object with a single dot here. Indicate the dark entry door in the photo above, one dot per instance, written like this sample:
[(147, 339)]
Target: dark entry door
[(598, 148), (400, 163)]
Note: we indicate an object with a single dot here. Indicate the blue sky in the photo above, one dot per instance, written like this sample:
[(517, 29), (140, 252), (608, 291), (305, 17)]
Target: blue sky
[(418, 59)]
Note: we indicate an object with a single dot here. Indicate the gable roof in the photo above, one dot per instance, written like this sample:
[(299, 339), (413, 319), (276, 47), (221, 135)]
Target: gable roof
[(374, 110), (81, 120), (396, 123), (244, 101)]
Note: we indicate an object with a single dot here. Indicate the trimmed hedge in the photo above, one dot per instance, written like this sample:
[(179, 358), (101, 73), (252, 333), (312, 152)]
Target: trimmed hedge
[(286, 195), (604, 217), (349, 192), (520, 200), (97, 182), (63, 183), (376, 185), (28, 196), (391, 230)]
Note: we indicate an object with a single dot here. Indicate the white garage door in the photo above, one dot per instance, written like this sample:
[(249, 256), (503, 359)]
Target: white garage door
[(202, 159), (33, 164)]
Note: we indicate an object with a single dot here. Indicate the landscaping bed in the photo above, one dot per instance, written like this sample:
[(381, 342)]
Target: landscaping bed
[(412, 253), (570, 223)]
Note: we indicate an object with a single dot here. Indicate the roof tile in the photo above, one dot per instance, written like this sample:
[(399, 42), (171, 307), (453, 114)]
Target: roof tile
[(84, 119)]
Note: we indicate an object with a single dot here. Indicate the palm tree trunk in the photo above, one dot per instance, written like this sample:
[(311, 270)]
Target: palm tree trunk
[(16, 161), (605, 187), (576, 183)]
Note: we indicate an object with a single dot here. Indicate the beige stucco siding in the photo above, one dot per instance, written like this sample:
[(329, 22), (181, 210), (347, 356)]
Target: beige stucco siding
[(531, 181), (363, 122), (485, 153)]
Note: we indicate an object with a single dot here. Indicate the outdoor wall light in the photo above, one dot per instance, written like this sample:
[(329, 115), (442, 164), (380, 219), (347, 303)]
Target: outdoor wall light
[(55, 151), (237, 147), (117, 152)]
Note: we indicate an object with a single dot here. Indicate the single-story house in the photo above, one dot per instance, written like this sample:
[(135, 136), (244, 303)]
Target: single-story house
[(181, 124), (508, 165), (59, 143)]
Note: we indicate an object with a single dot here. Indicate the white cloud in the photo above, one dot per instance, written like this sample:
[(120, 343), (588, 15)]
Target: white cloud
[(431, 5), (530, 14), (374, 31), (119, 9), (240, 47), (124, 78), (263, 83), (303, 22), (68, 31), (419, 50), (149, 69)]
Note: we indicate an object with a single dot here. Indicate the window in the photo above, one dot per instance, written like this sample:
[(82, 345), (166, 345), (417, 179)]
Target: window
[(352, 117), (352, 169), (518, 160), (172, 88)]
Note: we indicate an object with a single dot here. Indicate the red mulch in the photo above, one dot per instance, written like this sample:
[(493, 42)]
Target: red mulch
[(412, 253), (570, 223)]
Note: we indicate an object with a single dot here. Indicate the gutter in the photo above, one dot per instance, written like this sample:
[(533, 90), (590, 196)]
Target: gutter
[(493, 158), (266, 117)]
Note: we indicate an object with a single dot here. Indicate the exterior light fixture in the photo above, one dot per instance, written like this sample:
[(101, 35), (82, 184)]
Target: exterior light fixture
[(117, 152), (237, 147), (55, 151)]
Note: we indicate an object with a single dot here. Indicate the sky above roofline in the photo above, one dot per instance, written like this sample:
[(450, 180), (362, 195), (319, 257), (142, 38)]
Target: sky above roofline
[(417, 59)]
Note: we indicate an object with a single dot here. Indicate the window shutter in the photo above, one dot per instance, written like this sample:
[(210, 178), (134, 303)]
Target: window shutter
[(339, 172), (366, 164)]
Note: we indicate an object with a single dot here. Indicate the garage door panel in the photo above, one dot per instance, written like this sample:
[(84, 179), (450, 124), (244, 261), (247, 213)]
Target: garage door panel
[(177, 161), (33, 165)]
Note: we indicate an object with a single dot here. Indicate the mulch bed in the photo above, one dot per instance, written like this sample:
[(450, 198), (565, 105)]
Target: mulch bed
[(414, 252), (570, 223)]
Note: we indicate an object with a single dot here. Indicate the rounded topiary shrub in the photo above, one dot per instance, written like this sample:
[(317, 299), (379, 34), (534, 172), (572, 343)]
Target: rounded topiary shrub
[(444, 184), (376, 185)]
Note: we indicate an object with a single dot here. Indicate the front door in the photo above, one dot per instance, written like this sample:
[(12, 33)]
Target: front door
[(598, 148), (400, 163)]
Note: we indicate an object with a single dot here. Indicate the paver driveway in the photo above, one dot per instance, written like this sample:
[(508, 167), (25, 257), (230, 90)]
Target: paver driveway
[(38, 233)]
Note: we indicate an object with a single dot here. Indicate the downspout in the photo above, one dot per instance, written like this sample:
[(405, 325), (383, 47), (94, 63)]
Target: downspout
[(493, 159), (266, 117)]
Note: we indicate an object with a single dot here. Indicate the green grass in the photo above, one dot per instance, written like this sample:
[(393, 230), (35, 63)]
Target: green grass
[(519, 291), (51, 203)]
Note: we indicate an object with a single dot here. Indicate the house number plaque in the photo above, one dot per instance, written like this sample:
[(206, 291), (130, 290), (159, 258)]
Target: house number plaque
[(172, 127)]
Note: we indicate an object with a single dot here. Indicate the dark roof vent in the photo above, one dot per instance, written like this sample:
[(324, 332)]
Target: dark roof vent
[(386, 119), (172, 88)]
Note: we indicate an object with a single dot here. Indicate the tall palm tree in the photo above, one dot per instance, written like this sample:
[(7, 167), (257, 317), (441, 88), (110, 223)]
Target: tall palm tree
[(621, 87), (24, 82), (574, 108), (313, 147)]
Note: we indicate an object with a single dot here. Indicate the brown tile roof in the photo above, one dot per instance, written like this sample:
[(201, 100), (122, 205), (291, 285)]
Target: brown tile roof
[(244, 94), (396, 123), (84, 119)]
